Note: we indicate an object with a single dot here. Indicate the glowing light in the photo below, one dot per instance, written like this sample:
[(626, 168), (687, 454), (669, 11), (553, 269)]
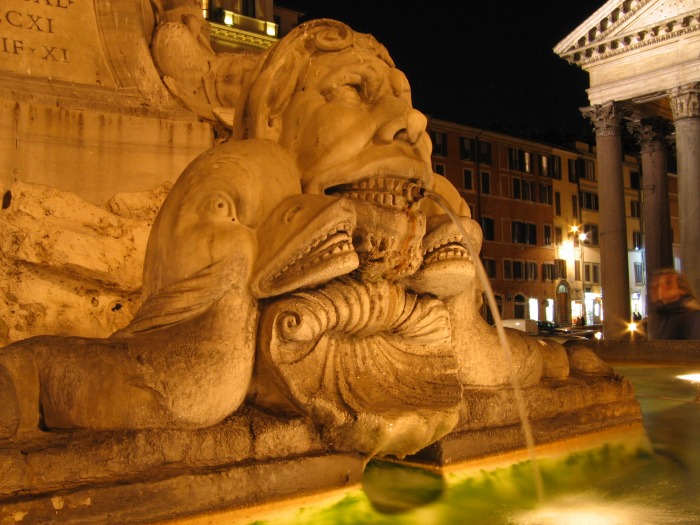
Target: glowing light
[(694, 378), (632, 327), (588, 509), (598, 335), (271, 30), (228, 18)]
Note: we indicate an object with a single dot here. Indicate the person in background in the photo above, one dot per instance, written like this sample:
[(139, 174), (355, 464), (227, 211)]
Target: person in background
[(675, 307)]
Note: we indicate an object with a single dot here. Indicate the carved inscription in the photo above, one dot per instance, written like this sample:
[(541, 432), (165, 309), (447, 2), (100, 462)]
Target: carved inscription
[(32, 19), (57, 39)]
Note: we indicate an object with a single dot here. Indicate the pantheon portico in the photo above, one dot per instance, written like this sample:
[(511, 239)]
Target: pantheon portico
[(643, 61)]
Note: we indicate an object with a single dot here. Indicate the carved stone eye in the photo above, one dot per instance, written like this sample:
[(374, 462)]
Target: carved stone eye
[(219, 204), (290, 213)]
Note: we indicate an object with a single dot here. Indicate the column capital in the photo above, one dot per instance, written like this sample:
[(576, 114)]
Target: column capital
[(685, 101), (606, 117), (652, 134)]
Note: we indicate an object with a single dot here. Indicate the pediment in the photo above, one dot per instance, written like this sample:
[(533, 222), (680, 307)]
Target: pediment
[(620, 26)]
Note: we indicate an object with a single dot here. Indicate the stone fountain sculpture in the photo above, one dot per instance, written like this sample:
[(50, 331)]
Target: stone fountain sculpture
[(298, 270)]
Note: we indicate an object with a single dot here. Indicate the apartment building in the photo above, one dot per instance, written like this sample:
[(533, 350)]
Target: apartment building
[(538, 207)]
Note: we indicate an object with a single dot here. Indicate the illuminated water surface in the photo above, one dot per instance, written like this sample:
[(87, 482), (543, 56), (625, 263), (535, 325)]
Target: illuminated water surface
[(638, 478)]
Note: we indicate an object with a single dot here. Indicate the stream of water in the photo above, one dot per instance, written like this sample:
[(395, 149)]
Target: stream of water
[(505, 346)]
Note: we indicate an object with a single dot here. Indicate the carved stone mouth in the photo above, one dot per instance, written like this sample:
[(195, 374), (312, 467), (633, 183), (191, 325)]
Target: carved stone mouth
[(391, 192), (447, 249), (330, 244)]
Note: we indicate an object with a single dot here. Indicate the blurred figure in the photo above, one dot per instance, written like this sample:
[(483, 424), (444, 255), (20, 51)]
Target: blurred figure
[(675, 308)]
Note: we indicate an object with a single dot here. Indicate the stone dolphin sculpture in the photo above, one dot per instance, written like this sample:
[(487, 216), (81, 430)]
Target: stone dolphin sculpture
[(186, 358)]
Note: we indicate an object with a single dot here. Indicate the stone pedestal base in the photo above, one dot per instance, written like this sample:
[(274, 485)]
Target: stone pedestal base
[(149, 475)]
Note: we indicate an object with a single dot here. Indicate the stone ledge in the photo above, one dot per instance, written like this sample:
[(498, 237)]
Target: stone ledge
[(558, 410), (67, 460), (189, 493)]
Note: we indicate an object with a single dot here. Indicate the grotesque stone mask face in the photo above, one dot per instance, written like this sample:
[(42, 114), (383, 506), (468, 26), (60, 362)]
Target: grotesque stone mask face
[(334, 100), (351, 119)]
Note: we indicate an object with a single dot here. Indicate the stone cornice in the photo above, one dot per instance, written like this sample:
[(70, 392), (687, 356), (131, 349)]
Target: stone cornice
[(601, 41), (240, 37)]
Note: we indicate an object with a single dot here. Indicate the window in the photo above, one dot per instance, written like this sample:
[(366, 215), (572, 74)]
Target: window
[(638, 273), (577, 270), (507, 269), (439, 169), (544, 166), (487, 226), (548, 273), (524, 233), (518, 271), (519, 160), (547, 234), (574, 205), (526, 164), (485, 182), (635, 180), (557, 203), (635, 210), (439, 140), (513, 159), (558, 236), (484, 152), (519, 307), (577, 169), (545, 194), (531, 271), (589, 201), (637, 240), (591, 231), (573, 176), (588, 172), (556, 167), (523, 189), (560, 265), (490, 268), (467, 179), (467, 151), (596, 272), (587, 272)]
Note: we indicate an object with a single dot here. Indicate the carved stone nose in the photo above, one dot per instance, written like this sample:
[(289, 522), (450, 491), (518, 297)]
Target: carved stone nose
[(409, 127), (416, 123)]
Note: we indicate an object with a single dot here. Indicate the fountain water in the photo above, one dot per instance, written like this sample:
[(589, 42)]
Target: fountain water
[(505, 345)]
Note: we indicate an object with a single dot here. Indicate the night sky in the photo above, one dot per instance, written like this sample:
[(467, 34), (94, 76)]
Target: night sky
[(479, 63)]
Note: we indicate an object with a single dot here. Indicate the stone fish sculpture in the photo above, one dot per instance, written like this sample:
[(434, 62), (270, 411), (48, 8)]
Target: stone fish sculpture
[(298, 268), (186, 358)]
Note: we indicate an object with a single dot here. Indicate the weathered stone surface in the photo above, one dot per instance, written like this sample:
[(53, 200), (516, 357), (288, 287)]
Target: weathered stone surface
[(88, 477), (556, 410), (69, 267)]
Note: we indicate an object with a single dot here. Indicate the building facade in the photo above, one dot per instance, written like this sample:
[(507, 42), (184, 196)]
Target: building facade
[(538, 206), (643, 61)]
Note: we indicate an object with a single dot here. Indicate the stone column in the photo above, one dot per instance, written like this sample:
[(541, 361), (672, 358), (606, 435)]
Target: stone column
[(612, 228), (685, 104), (652, 134)]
